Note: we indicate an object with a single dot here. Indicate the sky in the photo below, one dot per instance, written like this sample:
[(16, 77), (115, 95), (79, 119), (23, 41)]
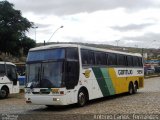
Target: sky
[(128, 23)]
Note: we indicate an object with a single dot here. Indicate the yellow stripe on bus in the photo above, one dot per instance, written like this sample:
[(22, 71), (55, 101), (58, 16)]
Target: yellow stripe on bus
[(121, 83)]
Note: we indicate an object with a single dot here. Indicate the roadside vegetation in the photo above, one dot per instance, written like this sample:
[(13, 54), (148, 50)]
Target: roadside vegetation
[(13, 27)]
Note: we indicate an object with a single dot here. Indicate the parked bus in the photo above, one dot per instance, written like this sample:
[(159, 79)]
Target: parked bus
[(64, 74), (8, 79)]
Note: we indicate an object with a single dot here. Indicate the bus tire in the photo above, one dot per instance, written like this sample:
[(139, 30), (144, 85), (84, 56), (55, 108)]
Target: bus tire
[(4, 92), (82, 98), (131, 88), (135, 87)]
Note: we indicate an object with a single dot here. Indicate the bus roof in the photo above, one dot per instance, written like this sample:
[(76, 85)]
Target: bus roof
[(84, 47), (53, 46), (9, 63)]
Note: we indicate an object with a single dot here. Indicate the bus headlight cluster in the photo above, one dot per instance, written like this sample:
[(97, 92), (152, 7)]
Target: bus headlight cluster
[(56, 99)]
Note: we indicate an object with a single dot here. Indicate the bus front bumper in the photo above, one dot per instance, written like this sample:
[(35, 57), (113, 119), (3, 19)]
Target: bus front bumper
[(46, 100)]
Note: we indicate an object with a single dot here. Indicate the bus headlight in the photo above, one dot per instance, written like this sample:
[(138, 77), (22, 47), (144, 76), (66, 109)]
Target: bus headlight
[(56, 99)]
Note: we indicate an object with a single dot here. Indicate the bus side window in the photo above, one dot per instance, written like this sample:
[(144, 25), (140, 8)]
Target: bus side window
[(11, 73), (101, 58), (91, 58), (2, 69), (121, 59), (129, 60), (135, 61), (84, 57), (112, 59), (72, 53)]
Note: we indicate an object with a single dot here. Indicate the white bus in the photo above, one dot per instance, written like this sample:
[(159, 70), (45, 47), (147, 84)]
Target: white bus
[(64, 74), (8, 79)]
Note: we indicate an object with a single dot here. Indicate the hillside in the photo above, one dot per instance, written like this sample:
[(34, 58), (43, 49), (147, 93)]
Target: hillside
[(151, 53)]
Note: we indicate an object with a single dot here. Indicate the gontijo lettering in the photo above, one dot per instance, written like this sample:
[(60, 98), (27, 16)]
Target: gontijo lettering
[(125, 72)]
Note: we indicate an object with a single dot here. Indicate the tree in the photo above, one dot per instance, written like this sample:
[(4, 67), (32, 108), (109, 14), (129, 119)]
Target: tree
[(12, 28), (26, 44)]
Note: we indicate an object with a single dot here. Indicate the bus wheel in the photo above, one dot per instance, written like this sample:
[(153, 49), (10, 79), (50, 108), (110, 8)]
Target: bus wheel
[(135, 87), (4, 92), (82, 98), (131, 89)]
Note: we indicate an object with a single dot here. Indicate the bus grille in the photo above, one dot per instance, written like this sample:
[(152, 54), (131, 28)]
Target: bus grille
[(41, 92)]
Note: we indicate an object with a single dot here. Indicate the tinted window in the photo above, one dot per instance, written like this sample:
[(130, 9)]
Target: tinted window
[(72, 53), (2, 69), (11, 72), (112, 59), (140, 62), (91, 58), (46, 55), (88, 57), (130, 60), (135, 61), (121, 60), (100, 58), (84, 57)]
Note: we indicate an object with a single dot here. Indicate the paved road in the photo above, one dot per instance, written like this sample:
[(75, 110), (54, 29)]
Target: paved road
[(146, 101)]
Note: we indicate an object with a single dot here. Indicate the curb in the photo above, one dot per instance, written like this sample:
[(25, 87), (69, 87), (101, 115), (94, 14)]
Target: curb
[(151, 76)]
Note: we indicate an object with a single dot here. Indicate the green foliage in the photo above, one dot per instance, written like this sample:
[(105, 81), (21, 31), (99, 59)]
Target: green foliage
[(12, 28), (26, 44)]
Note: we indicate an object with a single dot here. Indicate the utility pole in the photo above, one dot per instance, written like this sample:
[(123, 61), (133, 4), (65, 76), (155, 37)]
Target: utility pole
[(35, 27), (142, 52), (117, 41)]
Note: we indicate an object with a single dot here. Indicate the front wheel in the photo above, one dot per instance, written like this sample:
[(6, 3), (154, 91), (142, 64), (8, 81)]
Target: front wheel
[(4, 93), (82, 98)]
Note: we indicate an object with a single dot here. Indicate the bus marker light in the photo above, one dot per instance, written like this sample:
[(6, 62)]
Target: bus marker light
[(62, 92)]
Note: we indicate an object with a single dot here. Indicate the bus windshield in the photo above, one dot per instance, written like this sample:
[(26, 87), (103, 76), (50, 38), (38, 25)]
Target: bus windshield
[(44, 75), (53, 68)]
